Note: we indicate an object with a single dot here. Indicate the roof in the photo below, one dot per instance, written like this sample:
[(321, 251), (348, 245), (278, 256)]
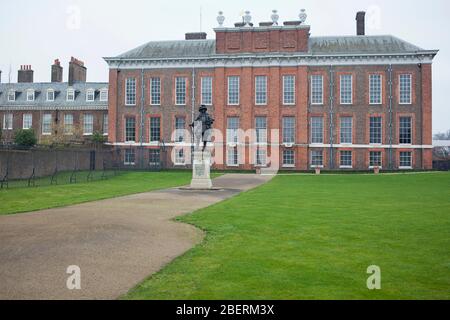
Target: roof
[(60, 101), (317, 46)]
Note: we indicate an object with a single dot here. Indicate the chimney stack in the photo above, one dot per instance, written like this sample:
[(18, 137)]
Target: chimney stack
[(361, 23), (57, 71), (77, 71), (25, 74), (196, 36)]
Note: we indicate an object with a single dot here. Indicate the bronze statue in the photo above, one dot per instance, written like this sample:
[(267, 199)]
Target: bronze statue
[(206, 127)]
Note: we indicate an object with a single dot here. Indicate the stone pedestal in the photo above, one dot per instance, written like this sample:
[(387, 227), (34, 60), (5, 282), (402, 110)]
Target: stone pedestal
[(201, 169)]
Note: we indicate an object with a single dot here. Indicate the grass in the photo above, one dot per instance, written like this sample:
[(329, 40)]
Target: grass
[(45, 197), (313, 237)]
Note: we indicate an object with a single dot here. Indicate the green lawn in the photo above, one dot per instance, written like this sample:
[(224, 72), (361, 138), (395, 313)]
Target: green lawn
[(313, 237), (16, 200)]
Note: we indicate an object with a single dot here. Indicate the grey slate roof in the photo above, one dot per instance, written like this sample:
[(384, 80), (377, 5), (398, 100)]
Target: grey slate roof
[(60, 101), (317, 46)]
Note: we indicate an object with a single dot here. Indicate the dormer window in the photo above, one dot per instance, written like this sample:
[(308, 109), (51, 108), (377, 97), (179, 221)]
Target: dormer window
[(70, 95), (50, 95), (30, 95), (11, 95), (90, 95), (104, 95)]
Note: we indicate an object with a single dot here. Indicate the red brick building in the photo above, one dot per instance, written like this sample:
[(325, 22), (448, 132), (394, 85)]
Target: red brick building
[(339, 103)]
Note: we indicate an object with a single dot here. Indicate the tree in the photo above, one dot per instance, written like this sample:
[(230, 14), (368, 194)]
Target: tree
[(442, 136), (25, 138)]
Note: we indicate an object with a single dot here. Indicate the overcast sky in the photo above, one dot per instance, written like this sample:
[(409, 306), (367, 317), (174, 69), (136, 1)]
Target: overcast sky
[(37, 32)]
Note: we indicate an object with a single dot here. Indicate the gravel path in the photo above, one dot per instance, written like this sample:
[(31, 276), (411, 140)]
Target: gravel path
[(116, 243)]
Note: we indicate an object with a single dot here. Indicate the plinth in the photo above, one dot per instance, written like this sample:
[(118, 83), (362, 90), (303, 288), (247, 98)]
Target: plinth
[(201, 170)]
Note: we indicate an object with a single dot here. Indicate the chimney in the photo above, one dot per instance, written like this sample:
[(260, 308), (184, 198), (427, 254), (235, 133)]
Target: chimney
[(25, 74), (77, 71), (361, 23), (196, 36), (57, 71)]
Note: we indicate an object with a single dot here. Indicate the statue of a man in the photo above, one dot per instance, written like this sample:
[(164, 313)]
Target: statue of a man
[(206, 126)]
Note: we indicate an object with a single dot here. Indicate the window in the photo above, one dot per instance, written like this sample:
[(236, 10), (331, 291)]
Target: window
[(130, 92), (405, 132), (179, 157), (317, 158), (375, 130), (375, 159), (155, 91), (261, 156), (180, 91), (346, 89), (316, 89), (130, 157), (288, 130), (70, 95), (154, 157), (405, 88), (50, 95), (180, 129), (105, 124), (406, 160), (27, 121), (207, 91), (130, 130), (155, 129), (261, 90), (261, 129), (88, 124), (233, 90), (68, 124), (30, 95), (288, 158), (346, 131), (346, 159), (232, 156), (375, 89), (232, 130), (288, 90), (90, 95), (47, 124), (316, 130), (8, 121), (11, 95), (104, 95)]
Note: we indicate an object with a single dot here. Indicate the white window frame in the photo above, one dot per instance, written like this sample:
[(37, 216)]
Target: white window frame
[(86, 124), (351, 89), (155, 89), (104, 93), (90, 93), (53, 95), (341, 166), (370, 89), (10, 92), (400, 161), (232, 133), (284, 128), (31, 94), (288, 165), (232, 154), (312, 131), (261, 90), (130, 84), (105, 124), (125, 130), (70, 92), (8, 119), (26, 121), (182, 90), (400, 91), (312, 89), (127, 163), (49, 124), (381, 159), (341, 131), (370, 131), (311, 159), (67, 123), (179, 161), (209, 87), (285, 77), (238, 83)]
